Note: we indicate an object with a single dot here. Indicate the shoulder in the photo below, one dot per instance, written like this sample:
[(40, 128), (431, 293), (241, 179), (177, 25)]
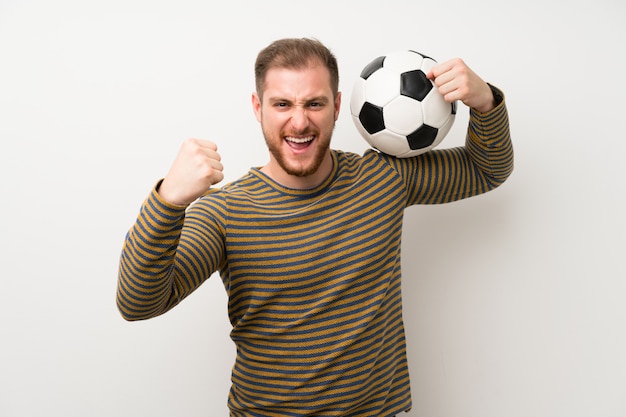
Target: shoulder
[(372, 165), (348, 159)]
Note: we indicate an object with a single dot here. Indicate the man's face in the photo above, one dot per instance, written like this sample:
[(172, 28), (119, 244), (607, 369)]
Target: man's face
[(298, 115)]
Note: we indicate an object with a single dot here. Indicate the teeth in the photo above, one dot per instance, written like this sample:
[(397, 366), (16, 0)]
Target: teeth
[(299, 140)]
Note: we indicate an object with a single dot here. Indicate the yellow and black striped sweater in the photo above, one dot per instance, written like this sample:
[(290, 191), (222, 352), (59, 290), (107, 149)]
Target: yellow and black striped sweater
[(312, 276)]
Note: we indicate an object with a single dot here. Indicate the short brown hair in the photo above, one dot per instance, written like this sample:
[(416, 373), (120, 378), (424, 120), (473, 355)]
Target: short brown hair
[(295, 53)]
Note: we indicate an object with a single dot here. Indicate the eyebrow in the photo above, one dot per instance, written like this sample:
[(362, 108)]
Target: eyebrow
[(322, 99)]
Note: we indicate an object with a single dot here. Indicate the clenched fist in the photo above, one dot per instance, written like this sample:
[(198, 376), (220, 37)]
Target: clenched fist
[(196, 168)]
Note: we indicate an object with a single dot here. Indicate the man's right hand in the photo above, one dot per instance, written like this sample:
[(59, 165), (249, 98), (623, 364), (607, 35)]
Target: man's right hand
[(196, 168)]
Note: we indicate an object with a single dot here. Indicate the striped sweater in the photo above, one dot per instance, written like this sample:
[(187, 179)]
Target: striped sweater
[(312, 276)]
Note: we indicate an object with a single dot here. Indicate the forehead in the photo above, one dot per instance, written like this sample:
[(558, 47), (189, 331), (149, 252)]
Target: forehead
[(287, 83)]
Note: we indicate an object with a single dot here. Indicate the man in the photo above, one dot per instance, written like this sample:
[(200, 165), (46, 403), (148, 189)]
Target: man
[(308, 245)]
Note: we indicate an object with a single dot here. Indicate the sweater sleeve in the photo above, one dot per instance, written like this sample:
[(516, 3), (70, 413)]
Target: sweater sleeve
[(446, 175), (166, 256)]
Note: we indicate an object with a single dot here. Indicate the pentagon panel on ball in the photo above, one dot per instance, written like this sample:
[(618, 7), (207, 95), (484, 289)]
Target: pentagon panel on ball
[(396, 108)]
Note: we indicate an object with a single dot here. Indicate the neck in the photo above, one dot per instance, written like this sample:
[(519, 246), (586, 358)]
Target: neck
[(275, 172)]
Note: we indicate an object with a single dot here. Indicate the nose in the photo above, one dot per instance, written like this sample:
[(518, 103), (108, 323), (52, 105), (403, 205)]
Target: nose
[(299, 119)]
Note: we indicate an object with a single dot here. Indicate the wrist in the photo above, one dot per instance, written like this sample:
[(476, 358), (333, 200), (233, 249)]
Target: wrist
[(166, 198), (493, 98)]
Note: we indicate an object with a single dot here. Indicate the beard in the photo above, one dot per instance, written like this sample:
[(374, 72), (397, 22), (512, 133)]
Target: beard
[(299, 167)]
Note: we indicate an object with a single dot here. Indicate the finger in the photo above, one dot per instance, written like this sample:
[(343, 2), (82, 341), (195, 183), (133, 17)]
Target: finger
[(217, 173), (446, 82), (204, 143), (195, 143), (440, 69), (202, 148), (216, 165)]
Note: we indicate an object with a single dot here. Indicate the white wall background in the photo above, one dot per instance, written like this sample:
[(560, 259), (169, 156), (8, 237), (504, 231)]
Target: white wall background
[(515, 301)]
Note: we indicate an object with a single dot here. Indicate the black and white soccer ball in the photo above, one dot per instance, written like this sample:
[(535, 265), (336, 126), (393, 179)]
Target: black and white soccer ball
[(397, 109)]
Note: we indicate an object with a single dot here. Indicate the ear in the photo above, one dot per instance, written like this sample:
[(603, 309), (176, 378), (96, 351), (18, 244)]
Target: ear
[(256, 106), (337, 105)]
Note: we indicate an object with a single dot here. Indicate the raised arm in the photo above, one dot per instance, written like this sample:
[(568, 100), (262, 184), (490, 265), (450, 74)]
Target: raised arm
[(166, 254), (486, 160)]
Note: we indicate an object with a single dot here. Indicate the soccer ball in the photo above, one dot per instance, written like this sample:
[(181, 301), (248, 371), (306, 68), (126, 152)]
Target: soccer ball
[(397, 109)]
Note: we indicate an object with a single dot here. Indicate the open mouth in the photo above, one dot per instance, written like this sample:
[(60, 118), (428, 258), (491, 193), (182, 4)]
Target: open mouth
[(299, 142)]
